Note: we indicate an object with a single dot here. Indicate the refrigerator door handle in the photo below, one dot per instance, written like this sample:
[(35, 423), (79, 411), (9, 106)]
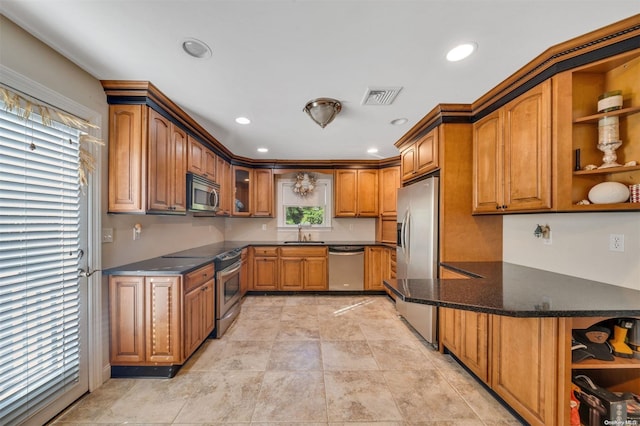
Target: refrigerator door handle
[(407, 237), (403, 233)]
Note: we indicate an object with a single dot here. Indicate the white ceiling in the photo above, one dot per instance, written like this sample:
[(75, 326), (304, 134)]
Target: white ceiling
[(272, 56)]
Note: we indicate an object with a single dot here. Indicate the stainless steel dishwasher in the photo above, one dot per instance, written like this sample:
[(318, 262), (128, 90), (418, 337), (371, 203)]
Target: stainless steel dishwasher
[(346, 268)]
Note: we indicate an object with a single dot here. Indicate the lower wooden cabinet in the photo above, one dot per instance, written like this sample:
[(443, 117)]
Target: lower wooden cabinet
[(465, 334), (159, 320), (377, 267), (303, 268), (265, 268)]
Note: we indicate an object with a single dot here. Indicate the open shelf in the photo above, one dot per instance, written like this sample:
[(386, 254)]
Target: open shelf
[(616, 113), (617, 363), (608, 170)]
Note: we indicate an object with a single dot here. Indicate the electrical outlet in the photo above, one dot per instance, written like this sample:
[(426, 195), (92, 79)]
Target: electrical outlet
[(264, 226), (107, 235), (547, 240), (616, 242)]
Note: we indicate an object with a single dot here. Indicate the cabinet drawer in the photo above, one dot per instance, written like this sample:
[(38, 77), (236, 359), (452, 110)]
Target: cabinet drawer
[(266, 251), (198, 277), (303, 251)]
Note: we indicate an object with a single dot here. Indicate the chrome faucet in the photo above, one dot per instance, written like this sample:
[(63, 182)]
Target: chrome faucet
[(299, 232)]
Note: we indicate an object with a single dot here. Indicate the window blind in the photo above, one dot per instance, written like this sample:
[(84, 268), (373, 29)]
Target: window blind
[(39, 246)]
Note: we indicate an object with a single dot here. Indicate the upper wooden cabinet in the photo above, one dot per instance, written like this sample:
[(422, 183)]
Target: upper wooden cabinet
[(420, 157), (389, 182), (512, 155), (356, 193), (201, 160), (147, 162), (253, 192), (577, 121), (225, 179)]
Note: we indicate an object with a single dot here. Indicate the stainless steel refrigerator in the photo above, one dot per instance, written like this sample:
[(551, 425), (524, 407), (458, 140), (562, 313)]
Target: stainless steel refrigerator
[(417, 249)]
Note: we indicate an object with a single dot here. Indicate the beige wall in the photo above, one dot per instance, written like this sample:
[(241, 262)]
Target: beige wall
[(579, 245)]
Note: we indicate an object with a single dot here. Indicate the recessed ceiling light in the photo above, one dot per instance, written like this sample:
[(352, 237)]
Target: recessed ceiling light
[(196, 48), (399, 121), (263, 150), (242, 120), (461, 51), (372, 150)]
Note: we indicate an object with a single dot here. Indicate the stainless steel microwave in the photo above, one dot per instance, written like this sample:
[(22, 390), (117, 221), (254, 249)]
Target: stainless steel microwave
[(203, 195)]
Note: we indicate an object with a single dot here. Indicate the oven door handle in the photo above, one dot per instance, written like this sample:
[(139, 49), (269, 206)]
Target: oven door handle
[(226, 272)]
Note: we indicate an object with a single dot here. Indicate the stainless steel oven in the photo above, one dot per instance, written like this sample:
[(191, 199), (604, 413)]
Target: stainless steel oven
[(227, 289)]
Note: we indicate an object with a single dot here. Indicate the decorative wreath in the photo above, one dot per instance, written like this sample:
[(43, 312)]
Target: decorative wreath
[(305, 184)]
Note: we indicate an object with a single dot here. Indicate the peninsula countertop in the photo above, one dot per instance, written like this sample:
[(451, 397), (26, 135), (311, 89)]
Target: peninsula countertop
[(507, 289)]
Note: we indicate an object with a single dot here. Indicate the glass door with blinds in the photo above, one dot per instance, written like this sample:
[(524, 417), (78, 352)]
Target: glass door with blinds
[(43, 298)]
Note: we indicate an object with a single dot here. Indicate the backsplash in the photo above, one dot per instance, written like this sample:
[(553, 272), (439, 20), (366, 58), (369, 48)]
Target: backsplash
[(579, 245)]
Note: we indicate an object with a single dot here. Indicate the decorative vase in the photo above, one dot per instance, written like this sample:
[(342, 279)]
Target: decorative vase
[(609, 141)]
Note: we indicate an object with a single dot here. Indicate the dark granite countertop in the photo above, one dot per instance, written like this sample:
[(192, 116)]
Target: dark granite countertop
[(513, 290), (185, 261)]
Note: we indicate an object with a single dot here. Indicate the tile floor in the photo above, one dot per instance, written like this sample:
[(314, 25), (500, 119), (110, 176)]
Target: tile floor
[(313, 360)]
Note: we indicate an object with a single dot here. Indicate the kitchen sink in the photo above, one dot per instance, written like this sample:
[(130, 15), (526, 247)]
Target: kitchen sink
[(304, 242)]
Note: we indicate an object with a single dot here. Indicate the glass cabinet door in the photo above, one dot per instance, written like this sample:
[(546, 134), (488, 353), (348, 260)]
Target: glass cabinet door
[(242, 181)]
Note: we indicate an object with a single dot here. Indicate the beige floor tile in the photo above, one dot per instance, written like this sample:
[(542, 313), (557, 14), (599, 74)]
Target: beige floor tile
[(340, 329), (289, 395), (252, 330), (425, 395), (359, 396), (298, 330), (247, 355), (305, 313), (385, 329), (295, 355), (259, 312), (347, 355), (399, 355), (228, 396)]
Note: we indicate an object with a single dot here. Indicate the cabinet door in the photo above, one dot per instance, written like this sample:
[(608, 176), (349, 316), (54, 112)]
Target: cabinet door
[(389, 183), (450, 325), (160, 154), (367, 195), (265, 273), (376, 265), (524, 366), (223, 178), (474, 343), (242, 191), (487, 164), (291, 273), (262, 192), (346, 190), (127, 152), (193, 323), (163, 319), (126, 320), (315, 273), (408, 163), (209, 307), (427, 152), (210, 164), (527, 150), (244, 272), (195, 156), (178, 170)]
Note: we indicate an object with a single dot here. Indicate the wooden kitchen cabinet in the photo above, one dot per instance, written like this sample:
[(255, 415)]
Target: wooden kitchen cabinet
[(576, 116), (225, 180), (200, 159), (199, 308), (303, 268), (525, 366), (512, 155), (244, 272), (377, 267), (159, 320), (466, 335), (253, 189), (147, 162), (389, 182), (356, 193), (145, 325), (265, 268), (421, 157)]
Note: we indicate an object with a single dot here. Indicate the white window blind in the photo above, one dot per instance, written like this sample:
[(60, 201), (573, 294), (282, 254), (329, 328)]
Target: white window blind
[(39, 247)]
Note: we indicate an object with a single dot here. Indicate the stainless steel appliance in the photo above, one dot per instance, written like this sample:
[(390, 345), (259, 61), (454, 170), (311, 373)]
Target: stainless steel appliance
[(417, 249), (346, 268), (227, 267), (203, 195)]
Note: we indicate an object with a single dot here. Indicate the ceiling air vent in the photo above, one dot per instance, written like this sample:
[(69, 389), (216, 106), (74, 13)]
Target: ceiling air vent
[(380, 95)]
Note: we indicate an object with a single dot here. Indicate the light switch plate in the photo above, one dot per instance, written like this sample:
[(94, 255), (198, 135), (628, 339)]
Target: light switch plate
[(107, 235)]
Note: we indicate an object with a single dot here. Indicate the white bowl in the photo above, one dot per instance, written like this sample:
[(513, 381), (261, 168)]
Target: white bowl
[(609, 192)]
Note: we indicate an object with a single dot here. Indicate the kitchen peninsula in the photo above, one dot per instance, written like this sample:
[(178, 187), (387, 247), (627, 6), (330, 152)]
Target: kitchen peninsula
[(512, 325)]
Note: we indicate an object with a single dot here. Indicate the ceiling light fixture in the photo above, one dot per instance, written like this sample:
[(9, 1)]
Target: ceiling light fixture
[(372, 150), (263, 150), (399, 121), (196, 48), (461, 51), (323, 110), (242, 120)]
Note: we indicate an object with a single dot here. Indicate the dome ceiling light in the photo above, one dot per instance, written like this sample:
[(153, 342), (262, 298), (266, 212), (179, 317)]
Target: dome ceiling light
[(461, 51), (323, 110), (196, 48)]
